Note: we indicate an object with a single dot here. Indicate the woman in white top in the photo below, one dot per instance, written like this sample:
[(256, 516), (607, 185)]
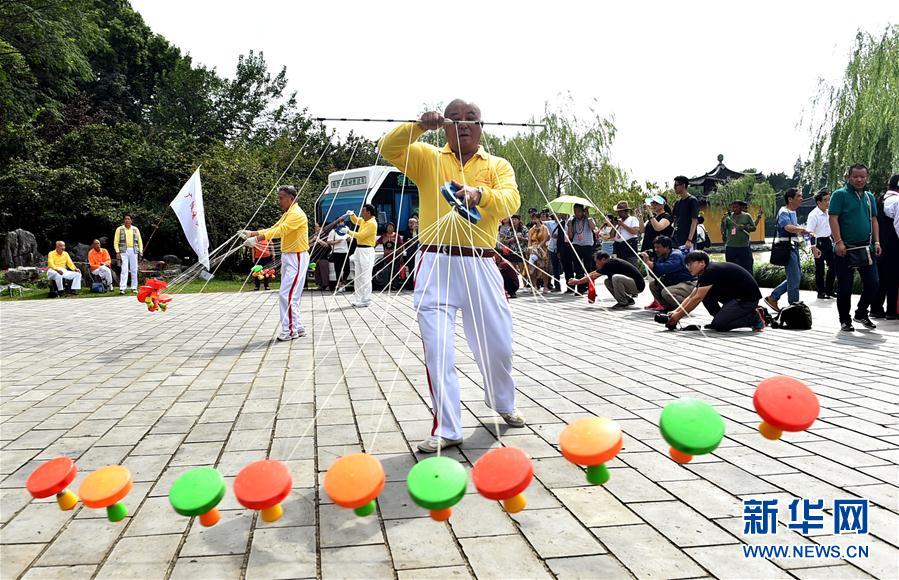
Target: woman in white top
[(625, 247), (339, 248)]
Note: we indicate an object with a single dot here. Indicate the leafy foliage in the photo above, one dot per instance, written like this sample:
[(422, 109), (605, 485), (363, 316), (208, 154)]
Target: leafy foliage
[(99, 115), (858, 120), (751, 188)]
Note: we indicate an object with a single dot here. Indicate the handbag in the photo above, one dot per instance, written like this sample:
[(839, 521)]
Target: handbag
[(780, 253), (859, 256)]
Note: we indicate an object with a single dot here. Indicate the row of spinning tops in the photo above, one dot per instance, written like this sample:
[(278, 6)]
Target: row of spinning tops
[(690, 426)]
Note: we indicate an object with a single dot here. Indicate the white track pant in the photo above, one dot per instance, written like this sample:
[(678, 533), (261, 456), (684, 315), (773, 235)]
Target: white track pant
[(105, 274), (129, 265), (293, 278), (57, 278), (364, 262), (444, 285)]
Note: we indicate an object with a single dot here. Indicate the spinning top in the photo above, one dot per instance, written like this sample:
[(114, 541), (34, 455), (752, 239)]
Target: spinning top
[(504, 474), (437, 484), (263, 485), (591, 290), (784, 404), (197, 493), (449, 192), (592, 441), (105, 488), (53, 478), (691, 427), (354, 481)]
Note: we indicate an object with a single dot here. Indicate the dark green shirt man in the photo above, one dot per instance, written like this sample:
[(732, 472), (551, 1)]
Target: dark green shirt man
[(737, 229)]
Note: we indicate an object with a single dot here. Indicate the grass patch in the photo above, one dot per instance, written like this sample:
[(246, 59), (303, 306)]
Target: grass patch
[(192, 287)]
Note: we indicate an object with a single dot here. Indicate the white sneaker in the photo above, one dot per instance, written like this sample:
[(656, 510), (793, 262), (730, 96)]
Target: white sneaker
[(285, 337), (360, 305), (298, 334), (513, 419), (122, 292), (429, 445)]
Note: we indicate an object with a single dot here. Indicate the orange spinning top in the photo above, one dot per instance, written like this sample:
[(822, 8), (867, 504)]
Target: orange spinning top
[(354, 481), (504, 474), (263, 485), (784, 404), (53, 478), (592, 441), (105, 488)]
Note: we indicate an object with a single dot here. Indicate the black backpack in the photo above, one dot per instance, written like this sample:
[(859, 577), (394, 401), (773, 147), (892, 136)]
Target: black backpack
[(796, 316)]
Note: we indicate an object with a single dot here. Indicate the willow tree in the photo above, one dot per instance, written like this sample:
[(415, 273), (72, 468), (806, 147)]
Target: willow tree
[(570, 155), (858, 119)]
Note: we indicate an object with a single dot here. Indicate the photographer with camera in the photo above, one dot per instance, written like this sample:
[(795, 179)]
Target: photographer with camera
[(625, 246), (728, 292), (668, 265), (623, 280)]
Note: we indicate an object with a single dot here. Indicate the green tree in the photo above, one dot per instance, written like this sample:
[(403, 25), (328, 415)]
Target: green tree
[(858, 119)]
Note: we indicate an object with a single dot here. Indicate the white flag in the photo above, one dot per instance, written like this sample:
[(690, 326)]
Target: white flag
[(188, 207)]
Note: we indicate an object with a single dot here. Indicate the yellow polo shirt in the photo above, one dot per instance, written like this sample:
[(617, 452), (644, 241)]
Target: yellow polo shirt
[(63, 261), (430, 167), (292, 228), (368, 230)]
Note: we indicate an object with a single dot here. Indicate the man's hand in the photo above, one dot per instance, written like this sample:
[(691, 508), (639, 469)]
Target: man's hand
[(470, 196), (816, 252), (350, 213), (688, 245), (877, 249), (322, 242), (244, 234), (572, 281), (841, 249), (60, 271), (250, 242), (431, 121)]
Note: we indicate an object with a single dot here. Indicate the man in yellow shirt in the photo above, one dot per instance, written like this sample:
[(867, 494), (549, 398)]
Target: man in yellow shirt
[(458, 255), (100, 262), (128, 247), (364, 257), (60, 268), (293, 231)]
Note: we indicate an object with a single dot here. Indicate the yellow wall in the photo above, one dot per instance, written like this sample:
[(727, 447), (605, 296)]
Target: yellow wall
[(713, 224)]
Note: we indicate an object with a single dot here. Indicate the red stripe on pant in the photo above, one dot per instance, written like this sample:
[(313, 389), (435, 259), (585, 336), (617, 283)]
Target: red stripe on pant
[(427, 372), (290, 299)]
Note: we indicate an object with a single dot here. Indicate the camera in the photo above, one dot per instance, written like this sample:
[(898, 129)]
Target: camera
[(662, 318)]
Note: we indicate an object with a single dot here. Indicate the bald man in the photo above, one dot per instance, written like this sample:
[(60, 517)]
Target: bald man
[(61, 268), (456, 271)]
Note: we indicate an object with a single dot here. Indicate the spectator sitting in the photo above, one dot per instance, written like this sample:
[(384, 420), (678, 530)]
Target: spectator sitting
[(60, 268), (623, 280), (510, 276), (728, 292), (99, 259), (676, 281)]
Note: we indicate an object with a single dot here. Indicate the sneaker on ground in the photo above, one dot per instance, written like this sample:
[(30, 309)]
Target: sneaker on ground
[(122, 292), (513, 419), (864, 321), (772, 302), (620, 306), (877, 314), (299, 334), (846, 326), (654, 305), (430, 444), (284, 337)]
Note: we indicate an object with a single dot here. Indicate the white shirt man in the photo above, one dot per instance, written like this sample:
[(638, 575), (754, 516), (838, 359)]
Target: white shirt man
[(891, 207), (818, 223)]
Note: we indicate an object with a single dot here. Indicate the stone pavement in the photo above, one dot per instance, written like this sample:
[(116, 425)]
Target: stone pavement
[(105, 382)]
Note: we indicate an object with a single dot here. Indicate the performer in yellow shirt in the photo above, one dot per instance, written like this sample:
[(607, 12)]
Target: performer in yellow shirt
[(293, 230), (459, 254), (363, 258), (128, 246), (59, 268)]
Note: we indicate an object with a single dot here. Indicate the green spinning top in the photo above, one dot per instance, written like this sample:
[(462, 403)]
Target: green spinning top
[(691, 427), (197, 493), (437, 484)]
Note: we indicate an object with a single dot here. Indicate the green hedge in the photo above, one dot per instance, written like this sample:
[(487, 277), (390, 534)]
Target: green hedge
[(769, 276)]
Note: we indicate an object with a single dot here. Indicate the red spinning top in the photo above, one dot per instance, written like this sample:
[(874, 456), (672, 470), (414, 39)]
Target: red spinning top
[(503, 474), (53, 478), (784, 404), (263, 485)]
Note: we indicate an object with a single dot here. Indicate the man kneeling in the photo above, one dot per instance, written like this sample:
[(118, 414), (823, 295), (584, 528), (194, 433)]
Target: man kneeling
[(674, 282), (728, 292), (623, 279)]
